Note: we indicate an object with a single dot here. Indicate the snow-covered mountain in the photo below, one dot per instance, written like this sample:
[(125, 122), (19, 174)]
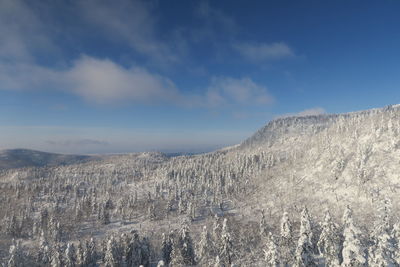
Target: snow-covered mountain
[(331, 160), (324, 162)]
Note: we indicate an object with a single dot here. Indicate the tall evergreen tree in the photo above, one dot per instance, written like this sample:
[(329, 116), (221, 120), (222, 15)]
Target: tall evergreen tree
[(396, 240), (286, 240), (70, 255), (111, 257), (353, 252), (186, 245), (56, 256), (90, 253), (204, 249), (271, 252), (16, 258), (329, 241), (166, 247), (80, 258), (304, 250), (226, 247), (382, 251), (263, 225)]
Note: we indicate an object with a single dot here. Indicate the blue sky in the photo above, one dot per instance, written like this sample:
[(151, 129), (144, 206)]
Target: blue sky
[(97, 76)]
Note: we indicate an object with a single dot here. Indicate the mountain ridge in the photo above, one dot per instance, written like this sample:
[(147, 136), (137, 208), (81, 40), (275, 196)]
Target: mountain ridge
[(21, 158)]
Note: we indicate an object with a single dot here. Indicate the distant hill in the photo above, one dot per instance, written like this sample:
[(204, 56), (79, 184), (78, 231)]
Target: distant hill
[(20, 158)]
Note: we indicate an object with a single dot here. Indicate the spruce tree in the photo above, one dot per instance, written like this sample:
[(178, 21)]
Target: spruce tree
[(382, 252), (205, 246), (16, 258), (111, 257), (263, 225), (187, 246), (226, 245), (271, 252), (396, 240), (80, 258), (90, 254), (353, 252), (329, 241), (304, 250), (166, 247), (56, 256), (286, 240), (70, 255), (133, 253)]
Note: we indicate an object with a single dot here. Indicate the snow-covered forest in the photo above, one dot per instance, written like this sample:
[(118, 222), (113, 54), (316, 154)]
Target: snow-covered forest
[(303, 191)]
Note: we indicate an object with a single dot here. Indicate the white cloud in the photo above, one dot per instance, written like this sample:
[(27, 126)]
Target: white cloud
[(307, 112), (104, 81), (96, 80), (227, 90), (264, 52)]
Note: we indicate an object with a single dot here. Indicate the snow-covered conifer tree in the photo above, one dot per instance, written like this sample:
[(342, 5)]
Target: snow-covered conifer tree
[(186, 245), (216, 234), (145, 251), (133, 253), (43, 255), (382, 252), (353, 252), (286, 240), (80, 250), (111, 257), (263, 225), (204, 250), (104, 215), (226, 245), (56, 256), (70, 255), (396, 240), (90, 254), (166, 247), (217, 262), (16, 257), (329, 241), (304, 250), (271, 252)]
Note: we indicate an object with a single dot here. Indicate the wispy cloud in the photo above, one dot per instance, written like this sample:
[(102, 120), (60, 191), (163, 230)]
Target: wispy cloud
[(244, 91), (131, 22), (214, 20), (258, 52)]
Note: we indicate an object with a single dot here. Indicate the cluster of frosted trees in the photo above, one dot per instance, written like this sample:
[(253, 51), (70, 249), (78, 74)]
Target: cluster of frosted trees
[(335, 246), (144, 186), (324, 244), (176, 249)]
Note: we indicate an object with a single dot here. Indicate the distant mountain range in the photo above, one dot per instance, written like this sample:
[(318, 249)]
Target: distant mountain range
[(20, 158)]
